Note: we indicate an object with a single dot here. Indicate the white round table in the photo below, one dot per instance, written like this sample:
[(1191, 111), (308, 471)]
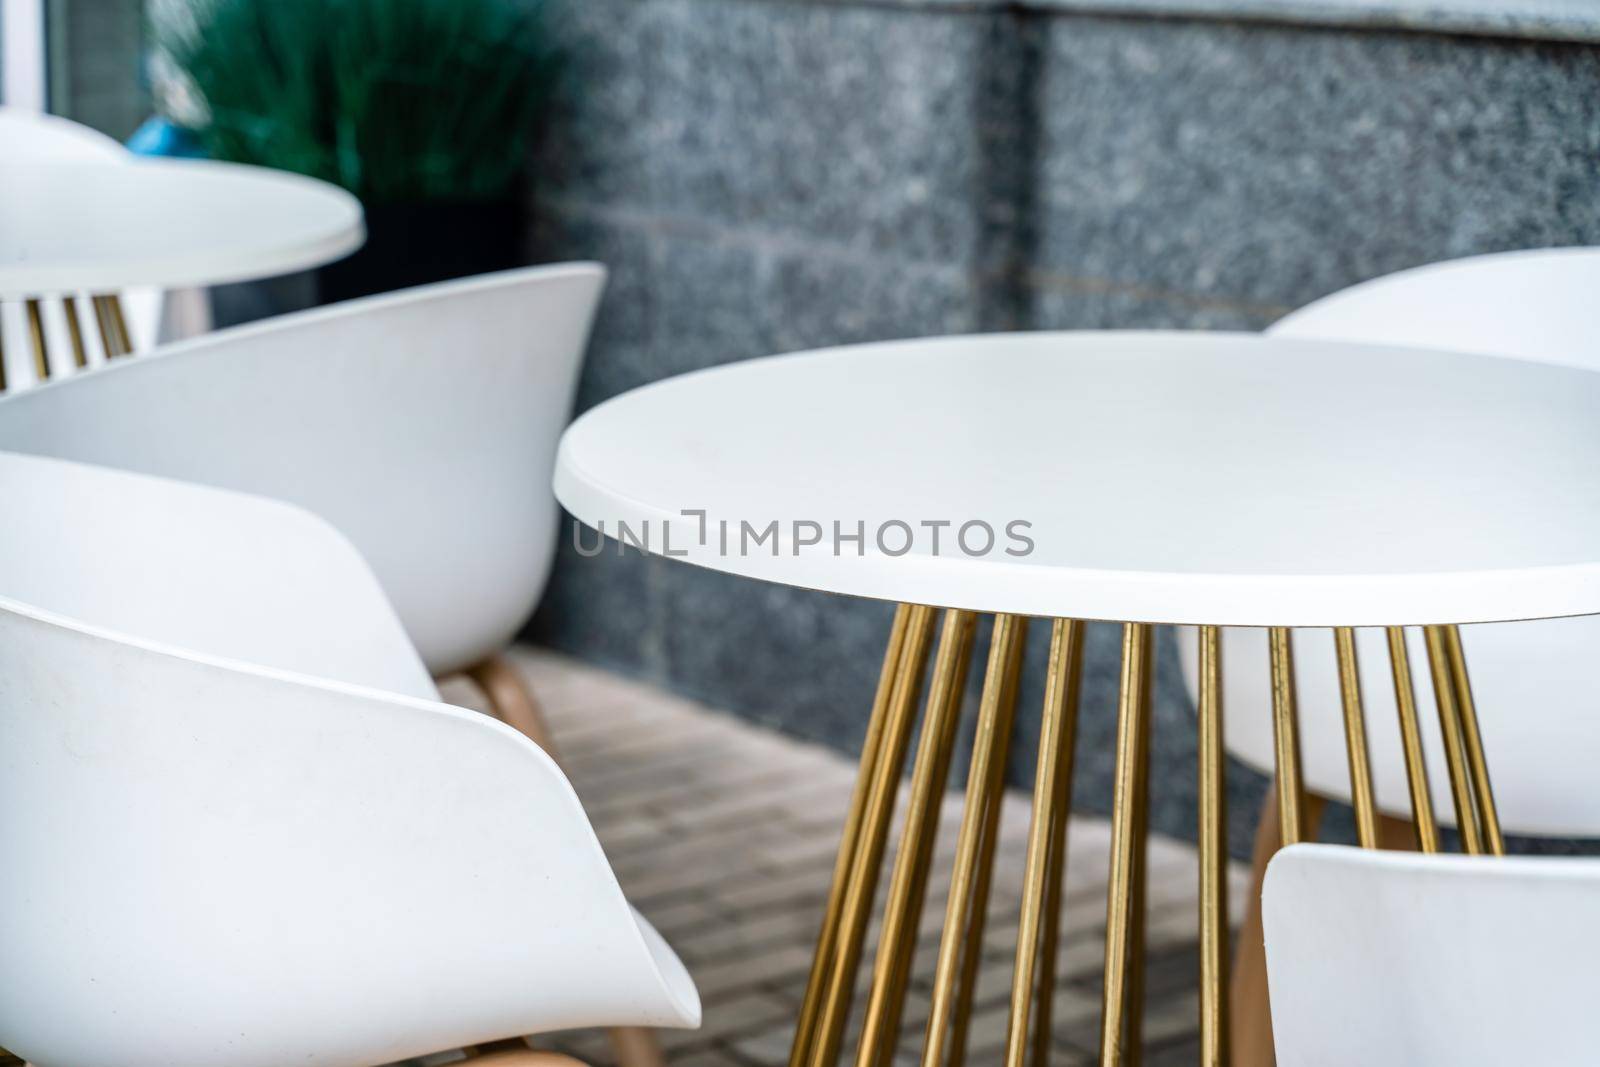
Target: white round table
[(102, 226), (1174, 478), (1209, 479)]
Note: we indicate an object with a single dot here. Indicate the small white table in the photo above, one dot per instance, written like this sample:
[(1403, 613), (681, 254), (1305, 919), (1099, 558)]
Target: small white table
[(102, 226), (1209, 479)]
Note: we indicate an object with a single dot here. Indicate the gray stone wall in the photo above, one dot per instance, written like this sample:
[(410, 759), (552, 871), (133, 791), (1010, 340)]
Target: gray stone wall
[(96, 49), (766, 175)]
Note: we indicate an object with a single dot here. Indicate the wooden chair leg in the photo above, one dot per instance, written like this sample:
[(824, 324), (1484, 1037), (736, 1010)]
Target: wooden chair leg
[(523, 1057), (1397, 835), (1249, 1021), (636, 1047), (1249, 1011), (514, 704), (512, 701)]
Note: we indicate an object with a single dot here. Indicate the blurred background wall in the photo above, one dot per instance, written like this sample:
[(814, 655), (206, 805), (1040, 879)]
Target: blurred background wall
[(95, 56), (770, 175)]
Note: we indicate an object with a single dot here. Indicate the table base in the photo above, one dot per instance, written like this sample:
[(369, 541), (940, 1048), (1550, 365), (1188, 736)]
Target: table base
[(113, 328), (827, 1003)]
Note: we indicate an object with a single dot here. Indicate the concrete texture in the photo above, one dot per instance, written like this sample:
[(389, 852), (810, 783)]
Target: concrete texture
[(764, 176)]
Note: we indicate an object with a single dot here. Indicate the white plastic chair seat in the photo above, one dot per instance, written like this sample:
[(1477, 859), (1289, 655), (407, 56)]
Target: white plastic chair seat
[(237, 828), (1390, 959)]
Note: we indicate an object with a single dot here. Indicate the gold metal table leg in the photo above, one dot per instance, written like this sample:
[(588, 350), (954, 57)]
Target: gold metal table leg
[(1355, 738), (1049, 933), (1467, 709), (1052, 797), (1455, 750), (1405, 699), (41, 358), (1286, 736), (909, 882), (1141, 878), (862, 884), (113, 326), (1213, 855), (975, 843), (80, 355), (846, 862), (826, 1008), (1131, 712), (978, 907)]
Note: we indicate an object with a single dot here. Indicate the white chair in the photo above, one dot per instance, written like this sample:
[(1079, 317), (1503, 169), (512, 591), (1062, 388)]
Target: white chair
[(237, 828), (422, 424), (30, 136), (1538, 702), (1524, 305), (1389, 959)]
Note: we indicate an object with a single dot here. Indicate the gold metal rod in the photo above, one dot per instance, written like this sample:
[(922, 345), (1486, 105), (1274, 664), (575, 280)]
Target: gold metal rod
[(844, 862), (41, 358), (1050, 932), (1141, 878), (113, 326), (120, 323), (1355, 738), (1052, 793), (1405, 700), (80, 355), (995, 714), (1131, 711), (1213, 857), (1488, 816), (1286, 736), (863, 882), (1455, 750), (978, 909), (110, 344), (972, 940), (908, 885), (103, 327)]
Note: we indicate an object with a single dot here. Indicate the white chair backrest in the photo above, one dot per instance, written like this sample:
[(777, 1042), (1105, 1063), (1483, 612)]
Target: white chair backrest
[(422, 424), (207, 859), (32, 136), (1536, 305), (1538, 703), (217, 573), (1391, 959)]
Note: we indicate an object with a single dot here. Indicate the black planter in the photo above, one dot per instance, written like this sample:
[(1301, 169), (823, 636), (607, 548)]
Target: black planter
[(428, 241)]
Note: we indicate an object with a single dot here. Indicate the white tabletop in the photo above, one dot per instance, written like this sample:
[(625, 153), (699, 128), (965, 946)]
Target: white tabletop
[(102, 226), (1232, 479)]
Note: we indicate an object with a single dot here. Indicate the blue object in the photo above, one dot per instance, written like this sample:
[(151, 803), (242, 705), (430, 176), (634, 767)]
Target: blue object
[(159, 137)]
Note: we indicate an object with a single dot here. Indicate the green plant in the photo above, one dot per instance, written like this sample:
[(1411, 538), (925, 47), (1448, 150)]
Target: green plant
[(395, 100)]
